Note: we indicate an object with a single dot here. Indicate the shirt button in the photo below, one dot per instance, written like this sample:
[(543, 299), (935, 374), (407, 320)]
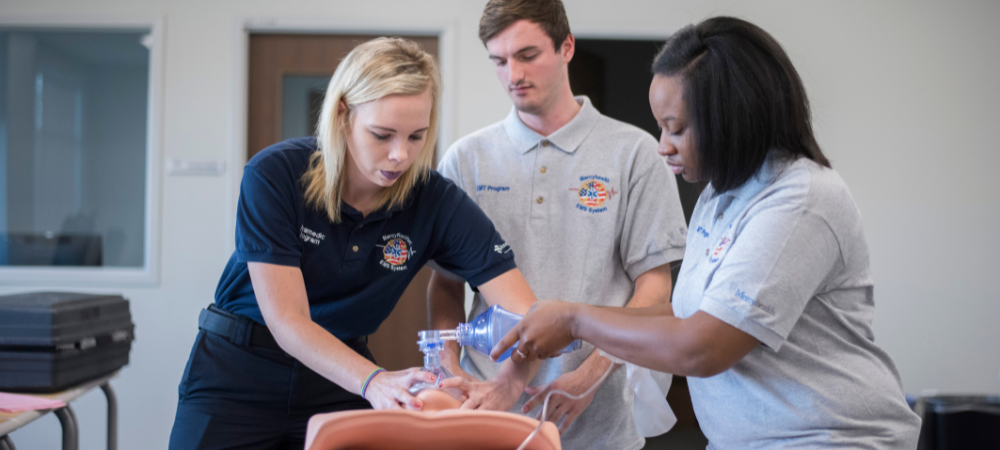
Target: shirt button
[(706, 251), (720, 216), (542, 169), (545, 143), (539, 200), (355, 248)]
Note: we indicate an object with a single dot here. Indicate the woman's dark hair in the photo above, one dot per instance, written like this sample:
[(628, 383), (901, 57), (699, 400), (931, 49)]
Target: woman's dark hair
[(743, 98)]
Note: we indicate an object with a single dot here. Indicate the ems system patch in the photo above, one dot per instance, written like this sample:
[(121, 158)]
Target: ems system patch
[(593, 193), (717, 254), (398, 248)]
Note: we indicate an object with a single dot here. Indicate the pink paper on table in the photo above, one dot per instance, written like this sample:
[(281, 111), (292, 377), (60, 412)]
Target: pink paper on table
[(17, 403)]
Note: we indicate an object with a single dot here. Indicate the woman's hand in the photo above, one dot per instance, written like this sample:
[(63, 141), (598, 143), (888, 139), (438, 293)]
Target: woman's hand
[(544, 331), (388, 390)]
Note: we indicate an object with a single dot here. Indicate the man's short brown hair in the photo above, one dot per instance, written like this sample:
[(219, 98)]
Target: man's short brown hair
[(549, 14)]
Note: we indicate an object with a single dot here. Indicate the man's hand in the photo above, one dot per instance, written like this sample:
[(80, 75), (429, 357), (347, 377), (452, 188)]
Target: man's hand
[(498, 394), (450, 357), (457, 372), (575, 383)]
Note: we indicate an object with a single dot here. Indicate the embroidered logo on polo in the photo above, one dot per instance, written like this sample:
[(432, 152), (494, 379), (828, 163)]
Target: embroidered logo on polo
[(488, 188), (717, 253), (310, 236), (502, 248), (742, 295), (394, 252), (594, 193), (397, 250)]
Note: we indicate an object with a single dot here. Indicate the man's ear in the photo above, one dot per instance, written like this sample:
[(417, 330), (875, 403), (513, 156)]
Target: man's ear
[(568, 48)]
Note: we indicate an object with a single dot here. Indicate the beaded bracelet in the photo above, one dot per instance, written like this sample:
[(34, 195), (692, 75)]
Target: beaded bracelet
[(369, 380)]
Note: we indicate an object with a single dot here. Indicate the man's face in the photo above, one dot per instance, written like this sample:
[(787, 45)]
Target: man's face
[(529, 68)]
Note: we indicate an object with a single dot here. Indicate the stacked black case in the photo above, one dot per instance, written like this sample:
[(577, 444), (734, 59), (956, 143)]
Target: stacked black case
[(53, 340)]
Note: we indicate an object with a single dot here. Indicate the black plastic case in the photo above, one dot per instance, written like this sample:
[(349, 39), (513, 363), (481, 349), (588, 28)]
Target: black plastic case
[(53, 340)]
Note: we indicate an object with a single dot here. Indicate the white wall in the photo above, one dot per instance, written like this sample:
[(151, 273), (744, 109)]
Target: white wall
[(905, 107)]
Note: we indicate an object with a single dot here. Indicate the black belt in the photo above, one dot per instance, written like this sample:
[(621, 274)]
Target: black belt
[(242, 331), (235, 328)]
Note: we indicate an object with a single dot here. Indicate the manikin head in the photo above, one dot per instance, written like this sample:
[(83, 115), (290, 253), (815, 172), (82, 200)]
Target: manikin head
[(531, 46)]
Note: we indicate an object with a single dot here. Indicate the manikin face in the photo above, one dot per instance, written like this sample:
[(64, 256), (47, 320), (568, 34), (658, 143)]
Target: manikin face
[(666, 99), (385, 137), (531, 71)]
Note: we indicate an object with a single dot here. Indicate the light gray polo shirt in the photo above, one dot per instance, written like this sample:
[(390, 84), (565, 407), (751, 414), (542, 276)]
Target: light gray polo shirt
[(784, 259), (586, 210)]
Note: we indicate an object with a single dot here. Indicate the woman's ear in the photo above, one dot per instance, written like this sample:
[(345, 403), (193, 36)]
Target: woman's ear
[(343, 114)]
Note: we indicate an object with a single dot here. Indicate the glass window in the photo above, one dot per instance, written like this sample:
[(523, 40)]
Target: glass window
[(73, 147), (301, 102)]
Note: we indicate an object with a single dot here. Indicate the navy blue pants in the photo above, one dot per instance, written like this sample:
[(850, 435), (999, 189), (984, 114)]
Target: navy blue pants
[(233, 396)]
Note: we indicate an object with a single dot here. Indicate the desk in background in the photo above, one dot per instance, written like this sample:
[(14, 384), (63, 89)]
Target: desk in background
[(71, 439)]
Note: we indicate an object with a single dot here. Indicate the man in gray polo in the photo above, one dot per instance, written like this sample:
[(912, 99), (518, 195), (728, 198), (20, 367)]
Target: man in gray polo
[(585, 202)]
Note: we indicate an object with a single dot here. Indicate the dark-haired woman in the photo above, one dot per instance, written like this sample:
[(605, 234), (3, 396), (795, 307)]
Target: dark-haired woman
[(771, 316)]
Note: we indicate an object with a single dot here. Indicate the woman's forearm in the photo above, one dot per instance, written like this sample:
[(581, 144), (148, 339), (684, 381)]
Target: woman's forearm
[(281, 295), (700, 345), (322, 352), (649, 341)]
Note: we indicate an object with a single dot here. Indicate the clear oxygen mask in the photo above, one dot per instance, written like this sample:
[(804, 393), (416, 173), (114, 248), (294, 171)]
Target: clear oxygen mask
[(431, 343)]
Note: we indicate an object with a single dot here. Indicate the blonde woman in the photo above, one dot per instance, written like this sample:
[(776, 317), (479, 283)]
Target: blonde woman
[(330, 231)]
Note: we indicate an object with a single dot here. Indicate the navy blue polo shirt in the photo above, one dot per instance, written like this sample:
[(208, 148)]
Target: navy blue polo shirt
[(354, 271)]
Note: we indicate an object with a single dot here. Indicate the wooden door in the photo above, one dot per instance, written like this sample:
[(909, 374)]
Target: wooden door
[(273, 57)]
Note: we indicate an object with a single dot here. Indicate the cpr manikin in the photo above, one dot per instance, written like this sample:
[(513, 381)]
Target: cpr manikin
[(440, 424)]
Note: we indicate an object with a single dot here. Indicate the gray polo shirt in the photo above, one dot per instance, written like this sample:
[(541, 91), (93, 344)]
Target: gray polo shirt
[(784, 259), (586, 210)]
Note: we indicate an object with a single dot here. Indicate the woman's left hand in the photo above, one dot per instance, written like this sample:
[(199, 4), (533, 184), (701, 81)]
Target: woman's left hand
[(388, 390), (544, 331)]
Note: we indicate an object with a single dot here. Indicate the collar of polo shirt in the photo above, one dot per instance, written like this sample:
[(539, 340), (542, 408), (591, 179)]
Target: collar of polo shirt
[(768, 171), (567, 138)]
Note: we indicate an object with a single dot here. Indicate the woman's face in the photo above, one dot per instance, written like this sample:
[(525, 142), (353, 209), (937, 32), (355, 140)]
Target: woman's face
[(385, 137), (666, 99)]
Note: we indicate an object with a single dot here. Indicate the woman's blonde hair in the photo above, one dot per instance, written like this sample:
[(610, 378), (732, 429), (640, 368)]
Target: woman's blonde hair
[(375, 69)]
